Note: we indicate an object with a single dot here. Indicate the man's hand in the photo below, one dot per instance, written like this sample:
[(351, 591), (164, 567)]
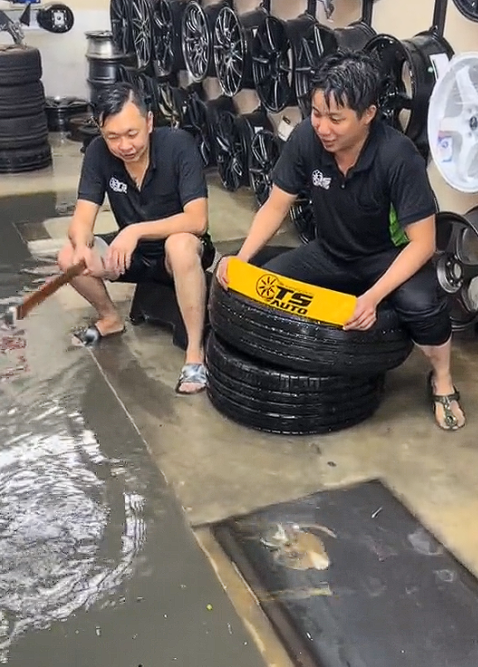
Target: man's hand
[(221, 272), (83, 253), (365, 313), (118, 256)]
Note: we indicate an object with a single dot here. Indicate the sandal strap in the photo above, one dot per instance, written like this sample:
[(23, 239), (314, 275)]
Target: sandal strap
[(447, 398), (193, 373), (445, 401)]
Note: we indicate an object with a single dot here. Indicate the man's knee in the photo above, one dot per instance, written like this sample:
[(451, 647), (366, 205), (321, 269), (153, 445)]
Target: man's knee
[(423, 309), (183, 251), (65, 257)]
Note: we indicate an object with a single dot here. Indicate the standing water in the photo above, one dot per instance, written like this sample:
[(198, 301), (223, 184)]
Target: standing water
[(97, 565)]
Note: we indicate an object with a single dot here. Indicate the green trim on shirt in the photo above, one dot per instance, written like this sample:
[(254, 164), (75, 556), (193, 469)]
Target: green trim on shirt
[(397, 234)]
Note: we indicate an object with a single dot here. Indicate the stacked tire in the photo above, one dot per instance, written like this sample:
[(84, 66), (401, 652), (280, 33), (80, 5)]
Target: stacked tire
[(23, 124), (283, 373)]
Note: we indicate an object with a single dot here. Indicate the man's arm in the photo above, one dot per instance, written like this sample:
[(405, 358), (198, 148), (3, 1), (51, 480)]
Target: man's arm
[(289, 180), (267, 222), (80, 231), (420, 249), (413, 200)]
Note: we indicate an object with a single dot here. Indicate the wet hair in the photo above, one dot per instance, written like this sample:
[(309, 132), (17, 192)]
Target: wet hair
[(112, 100), (351, 78)]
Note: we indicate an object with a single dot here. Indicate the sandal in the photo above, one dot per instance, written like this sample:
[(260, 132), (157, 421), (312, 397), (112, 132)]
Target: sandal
[(451, 421), (92, 335), (192, 374)]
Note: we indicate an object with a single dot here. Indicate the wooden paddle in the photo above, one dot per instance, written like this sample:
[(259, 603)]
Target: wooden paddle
[(37, 297)]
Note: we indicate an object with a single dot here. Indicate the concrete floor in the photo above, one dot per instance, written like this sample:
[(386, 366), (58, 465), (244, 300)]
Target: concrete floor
[(217, 468)]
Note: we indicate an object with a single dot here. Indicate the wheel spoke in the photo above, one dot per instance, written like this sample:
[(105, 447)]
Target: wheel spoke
[(467, 158), (467, 90)]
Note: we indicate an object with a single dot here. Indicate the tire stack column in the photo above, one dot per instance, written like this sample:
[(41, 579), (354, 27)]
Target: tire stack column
[(23, 123)]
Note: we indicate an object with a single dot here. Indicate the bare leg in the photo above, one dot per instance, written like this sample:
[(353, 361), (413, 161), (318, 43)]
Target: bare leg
[(93, 289), (183, 261), (440, 360)]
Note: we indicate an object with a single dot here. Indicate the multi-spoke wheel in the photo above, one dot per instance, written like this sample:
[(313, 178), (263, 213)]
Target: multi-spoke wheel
[(141, 30), (409, 75), (272, 64), (120, 17), (169, 113), (194, 119), (233, 137), (231, 152), (233, 36), (456, 262), (197, 38), (453, 124), (213, 108), (302, 217), (167, 53), (264, 152), (314, 41)]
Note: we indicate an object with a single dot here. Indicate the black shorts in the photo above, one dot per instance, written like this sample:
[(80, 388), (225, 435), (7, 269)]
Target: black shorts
[(148, 262)]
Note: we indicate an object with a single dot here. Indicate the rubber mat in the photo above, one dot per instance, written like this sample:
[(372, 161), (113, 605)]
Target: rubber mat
[(349, 578)]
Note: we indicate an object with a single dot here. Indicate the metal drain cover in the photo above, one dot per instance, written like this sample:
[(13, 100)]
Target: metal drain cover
[(349, 578)]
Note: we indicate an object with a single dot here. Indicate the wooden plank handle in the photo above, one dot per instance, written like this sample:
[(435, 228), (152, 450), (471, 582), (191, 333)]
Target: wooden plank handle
[(38, 296)]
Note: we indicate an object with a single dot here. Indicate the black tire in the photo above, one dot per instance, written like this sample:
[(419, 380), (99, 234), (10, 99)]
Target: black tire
[(301, 344), (24, 100), (279, 401), (23, 132), (25, 159), (19, 63)]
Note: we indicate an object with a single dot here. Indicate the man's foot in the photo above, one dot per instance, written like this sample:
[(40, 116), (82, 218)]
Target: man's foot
[(446, 404), (192, 379), (102, 329)]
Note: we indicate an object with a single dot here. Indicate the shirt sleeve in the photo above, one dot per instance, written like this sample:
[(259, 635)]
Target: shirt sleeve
[(92, 185), (410, 191), (289, 172), (191, 178)]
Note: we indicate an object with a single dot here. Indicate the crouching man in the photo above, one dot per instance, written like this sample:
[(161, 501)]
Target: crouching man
[(157, 191), (374, 213)]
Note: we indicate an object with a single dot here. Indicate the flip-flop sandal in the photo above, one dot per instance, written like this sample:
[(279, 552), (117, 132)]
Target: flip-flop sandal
[(451, 421), (92, 335), (192, 374)]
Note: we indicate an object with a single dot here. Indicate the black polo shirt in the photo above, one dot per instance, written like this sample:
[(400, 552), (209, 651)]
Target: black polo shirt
[(175, 176), (365, 212)]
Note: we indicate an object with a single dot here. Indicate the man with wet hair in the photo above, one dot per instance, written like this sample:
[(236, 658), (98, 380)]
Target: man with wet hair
[(155, 183), (374, 211)]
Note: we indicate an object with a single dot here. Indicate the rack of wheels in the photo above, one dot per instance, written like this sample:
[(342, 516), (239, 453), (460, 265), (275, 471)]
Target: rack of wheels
[(159, 43)]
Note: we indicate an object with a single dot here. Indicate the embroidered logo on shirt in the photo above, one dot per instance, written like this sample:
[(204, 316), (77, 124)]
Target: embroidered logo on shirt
[(319, 180), (118, 186)]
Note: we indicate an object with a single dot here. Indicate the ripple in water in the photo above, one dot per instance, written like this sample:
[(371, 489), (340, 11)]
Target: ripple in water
[(58, 494)]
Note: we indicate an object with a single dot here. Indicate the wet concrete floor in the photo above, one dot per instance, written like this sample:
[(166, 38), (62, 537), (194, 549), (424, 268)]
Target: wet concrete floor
[(216, 468), (97, 563)]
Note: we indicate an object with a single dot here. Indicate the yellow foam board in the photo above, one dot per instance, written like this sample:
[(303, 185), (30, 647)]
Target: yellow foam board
[(290, 296)]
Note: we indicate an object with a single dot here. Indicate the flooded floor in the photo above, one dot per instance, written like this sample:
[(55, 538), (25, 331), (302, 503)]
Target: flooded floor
[(111, 469), (97, 564)]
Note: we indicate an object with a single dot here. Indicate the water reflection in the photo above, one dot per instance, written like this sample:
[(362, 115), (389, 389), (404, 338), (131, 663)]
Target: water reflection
[(58, 492)]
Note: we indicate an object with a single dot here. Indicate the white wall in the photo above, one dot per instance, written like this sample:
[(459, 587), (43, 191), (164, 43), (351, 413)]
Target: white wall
[(65, 67)]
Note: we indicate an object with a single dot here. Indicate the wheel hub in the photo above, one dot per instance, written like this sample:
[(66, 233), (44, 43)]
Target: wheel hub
[(456, 264)]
